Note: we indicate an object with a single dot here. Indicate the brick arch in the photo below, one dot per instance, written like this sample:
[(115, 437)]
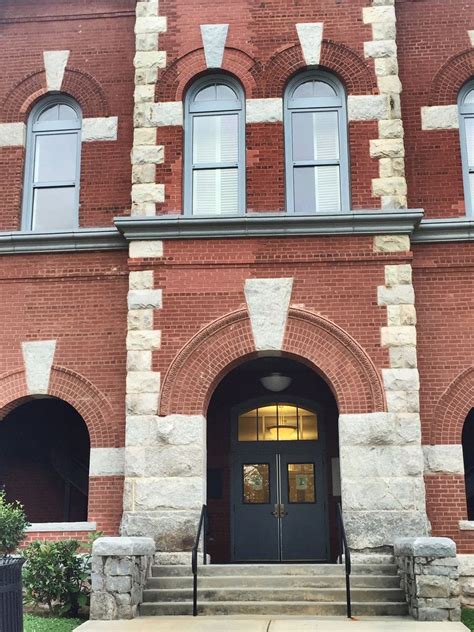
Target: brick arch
[(355, 73), (453, 408), (220, 346), (74, 389), (451, 77), (78, 84), (174, 81)]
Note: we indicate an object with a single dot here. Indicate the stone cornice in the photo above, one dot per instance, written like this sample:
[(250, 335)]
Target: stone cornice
[(269, 225), (79, 240), (444, 230)]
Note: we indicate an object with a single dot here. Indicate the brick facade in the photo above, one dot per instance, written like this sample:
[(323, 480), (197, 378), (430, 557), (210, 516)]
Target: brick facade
[(385, 319)]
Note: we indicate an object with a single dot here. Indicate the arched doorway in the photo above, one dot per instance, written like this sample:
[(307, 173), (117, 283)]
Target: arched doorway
[(272, 464), (44, 459), (468, 453)]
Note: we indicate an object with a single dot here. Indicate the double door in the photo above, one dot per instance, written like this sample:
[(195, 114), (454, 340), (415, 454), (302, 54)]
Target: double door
[(279, 503)]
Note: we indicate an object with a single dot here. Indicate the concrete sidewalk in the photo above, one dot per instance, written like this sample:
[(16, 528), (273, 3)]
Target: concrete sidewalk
[(265, 624)]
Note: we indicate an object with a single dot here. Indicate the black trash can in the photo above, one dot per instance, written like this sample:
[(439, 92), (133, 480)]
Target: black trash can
[(11, 598)]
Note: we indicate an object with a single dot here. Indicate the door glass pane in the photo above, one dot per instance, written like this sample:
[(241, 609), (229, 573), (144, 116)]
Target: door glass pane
[(215, 139), (301, 487), (287, 422), (317, 189), (215, 192), (256, 483), (470, 141), (308, 425), (248, 426), (54, 209), (268, 423), (55, 158), (315, 136)]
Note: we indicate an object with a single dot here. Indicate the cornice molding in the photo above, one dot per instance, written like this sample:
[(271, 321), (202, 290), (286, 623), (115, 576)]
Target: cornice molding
[(444, 230), (62, 241)]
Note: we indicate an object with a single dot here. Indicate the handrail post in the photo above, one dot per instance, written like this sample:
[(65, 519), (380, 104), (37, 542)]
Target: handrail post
[(347, 560), (194, 554)]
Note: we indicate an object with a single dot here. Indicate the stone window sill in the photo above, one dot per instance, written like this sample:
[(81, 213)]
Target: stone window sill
[(466, 525), (82, 239), (43, 527)]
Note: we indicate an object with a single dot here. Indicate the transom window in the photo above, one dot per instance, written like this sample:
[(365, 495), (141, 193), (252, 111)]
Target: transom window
[(52, 169), (215, 148), (317, 177), (278, 422), (466, 112)]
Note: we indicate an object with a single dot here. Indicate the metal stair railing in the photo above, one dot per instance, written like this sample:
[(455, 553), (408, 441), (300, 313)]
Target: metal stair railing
[(202, 530), (347, 559)]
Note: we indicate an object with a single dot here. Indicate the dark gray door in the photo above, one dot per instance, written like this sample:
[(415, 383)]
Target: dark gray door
[(280, 504)]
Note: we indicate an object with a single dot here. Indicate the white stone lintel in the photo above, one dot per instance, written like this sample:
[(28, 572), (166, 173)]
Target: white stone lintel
[(443, 459), (264, 110), (99, 128), (268, 301), (107, 462), (38, 356), (214, 38), (310, 35), (146, 249), (55, 62), (12, 134), (371, 107)]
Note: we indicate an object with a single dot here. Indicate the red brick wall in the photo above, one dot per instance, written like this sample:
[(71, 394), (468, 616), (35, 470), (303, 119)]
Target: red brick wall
[(430, 33), (99, 75)]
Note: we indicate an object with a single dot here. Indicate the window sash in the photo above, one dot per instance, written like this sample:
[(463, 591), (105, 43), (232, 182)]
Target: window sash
[(466, 115)]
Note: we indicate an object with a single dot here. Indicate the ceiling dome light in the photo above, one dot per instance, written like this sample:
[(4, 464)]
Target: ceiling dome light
[(276, 382)]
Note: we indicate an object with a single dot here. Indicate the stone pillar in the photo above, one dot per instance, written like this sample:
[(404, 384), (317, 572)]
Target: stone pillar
[(120, 568), (429, 575), (466, 579)]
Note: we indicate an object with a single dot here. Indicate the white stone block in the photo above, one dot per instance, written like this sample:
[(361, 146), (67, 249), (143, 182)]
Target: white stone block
[(145, 249), (440, 117), (403, 357), (154, 494), (310, 35), (164, 461), (143, 174), (387, 148), (389, 84), (362, 462), (38, 356), (397, 295), (146, 41), (380, 48), (140, 431), (398, 275), (140, 319), (144, 93), (371, 15), (181, 430), (167, 113), (386, 66), (391, 243), (384, 494), (106, 462), (443, 459), (389, 186), (401, 315), (268, 301), (146, 154), (139, 360), (379, 429), (144, 136), (145, 299), (264, 110), (141, 280), (150, 24), (401, 379), (471, 37), (55, 62), (141, 403), (143, 382), (368, 107), (214, 37), (143, 193), (12, 134), (384, 31), (145, 9), (150, 59), (99, 129), (393, 202), (403, 401), (143, 340), (398, 336)]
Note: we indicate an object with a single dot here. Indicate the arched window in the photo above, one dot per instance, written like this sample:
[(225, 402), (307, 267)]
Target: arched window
[(215, 148), (466, 113), (52, 169), (317, 174), (468, 453)]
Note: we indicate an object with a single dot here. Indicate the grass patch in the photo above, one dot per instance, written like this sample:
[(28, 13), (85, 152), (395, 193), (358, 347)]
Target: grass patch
[(35, 623), (467, 617)]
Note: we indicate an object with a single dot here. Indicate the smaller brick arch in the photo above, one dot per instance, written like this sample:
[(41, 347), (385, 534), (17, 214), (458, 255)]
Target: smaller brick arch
[(74, 389), (223, 344), (354, 71), (451, 77), (80, 85), (175, 80), (453, 408)]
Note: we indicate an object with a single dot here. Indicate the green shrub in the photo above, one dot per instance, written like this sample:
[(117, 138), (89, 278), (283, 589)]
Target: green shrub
[(56, 576), (13, 525)]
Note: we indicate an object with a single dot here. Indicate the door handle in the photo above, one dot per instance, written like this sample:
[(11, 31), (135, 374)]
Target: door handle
[(279, 511)]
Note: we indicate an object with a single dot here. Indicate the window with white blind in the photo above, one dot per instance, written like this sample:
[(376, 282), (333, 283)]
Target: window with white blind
[(215, 148), (466, 113), (317, 175), (52, 166)]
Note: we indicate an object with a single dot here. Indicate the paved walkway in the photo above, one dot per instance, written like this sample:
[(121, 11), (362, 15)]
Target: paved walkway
[(264, 624)]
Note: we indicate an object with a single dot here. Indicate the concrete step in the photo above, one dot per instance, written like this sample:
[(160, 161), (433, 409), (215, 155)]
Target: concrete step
[(276, 581), (274, 569), (386, 595), (311, 608)]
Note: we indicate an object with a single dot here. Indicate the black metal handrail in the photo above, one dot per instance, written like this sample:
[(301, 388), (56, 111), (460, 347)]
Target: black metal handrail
[(194, 555), (347, 559)]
